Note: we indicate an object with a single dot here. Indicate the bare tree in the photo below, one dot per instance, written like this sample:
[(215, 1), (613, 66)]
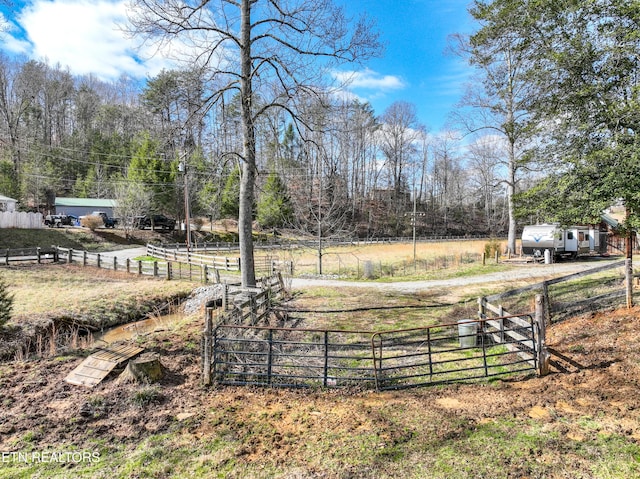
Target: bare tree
[(132, 200), (265, 51), (484, 161), (17, 93), (498, 102), (447, 181), (399, 135)]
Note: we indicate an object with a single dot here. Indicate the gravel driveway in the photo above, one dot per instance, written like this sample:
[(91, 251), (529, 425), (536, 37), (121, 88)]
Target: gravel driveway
[(529, 271)]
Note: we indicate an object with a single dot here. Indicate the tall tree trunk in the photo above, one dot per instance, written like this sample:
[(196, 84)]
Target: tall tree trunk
[(629, 261), (511, 189), (247, 181)]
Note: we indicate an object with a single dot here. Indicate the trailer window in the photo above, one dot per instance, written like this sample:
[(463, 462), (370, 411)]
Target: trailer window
[(581, 236), (570, 235)]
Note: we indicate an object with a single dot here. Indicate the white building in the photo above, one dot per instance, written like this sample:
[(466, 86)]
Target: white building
[(7, 204)]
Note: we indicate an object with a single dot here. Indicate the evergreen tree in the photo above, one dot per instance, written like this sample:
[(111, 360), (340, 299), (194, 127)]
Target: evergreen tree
[(6, 304), (151, 172), (230, 201), (274, 206)]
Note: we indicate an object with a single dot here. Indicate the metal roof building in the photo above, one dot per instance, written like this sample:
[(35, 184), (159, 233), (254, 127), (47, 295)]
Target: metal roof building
[(83, 206)]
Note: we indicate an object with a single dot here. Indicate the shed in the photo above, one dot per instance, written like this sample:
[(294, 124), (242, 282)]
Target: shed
[(83, 206), (7, 204)]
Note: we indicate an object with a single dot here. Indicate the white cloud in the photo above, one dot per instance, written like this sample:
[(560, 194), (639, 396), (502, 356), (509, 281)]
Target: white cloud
[(82, 35), (370, 80)]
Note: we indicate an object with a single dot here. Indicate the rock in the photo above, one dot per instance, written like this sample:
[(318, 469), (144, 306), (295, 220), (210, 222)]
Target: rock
[(86, 410)]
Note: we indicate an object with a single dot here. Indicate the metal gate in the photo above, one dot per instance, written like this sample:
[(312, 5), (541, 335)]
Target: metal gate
[(450, 352), (286, 357)]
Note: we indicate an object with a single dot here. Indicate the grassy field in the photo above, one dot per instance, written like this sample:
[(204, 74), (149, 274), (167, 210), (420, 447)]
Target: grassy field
[(394, 260), (583, 423), (383, 261), (580, 423)]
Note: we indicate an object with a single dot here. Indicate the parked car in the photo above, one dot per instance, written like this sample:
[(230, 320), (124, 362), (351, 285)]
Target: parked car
[(107, 221), (58, 221), (156, 221)]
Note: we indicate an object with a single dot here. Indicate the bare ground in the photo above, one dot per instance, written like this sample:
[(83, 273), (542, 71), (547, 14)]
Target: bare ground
[(310, 433)]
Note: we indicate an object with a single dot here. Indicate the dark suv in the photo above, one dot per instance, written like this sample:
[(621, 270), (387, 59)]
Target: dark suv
[(156, 221)]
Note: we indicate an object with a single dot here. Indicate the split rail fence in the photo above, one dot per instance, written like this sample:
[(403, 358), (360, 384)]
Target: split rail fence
[(21, 255)]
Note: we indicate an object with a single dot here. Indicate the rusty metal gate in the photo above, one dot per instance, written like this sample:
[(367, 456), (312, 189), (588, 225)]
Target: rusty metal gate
[(449, 353), (286, 357)]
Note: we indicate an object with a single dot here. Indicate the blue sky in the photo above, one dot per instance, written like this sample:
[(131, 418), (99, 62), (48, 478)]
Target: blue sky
[(81, 35)]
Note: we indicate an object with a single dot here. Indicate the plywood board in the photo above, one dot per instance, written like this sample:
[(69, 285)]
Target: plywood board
[(96, 367)]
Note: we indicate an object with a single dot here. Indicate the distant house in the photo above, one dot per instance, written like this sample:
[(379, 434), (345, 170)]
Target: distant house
[(7, 204), (83, 206)]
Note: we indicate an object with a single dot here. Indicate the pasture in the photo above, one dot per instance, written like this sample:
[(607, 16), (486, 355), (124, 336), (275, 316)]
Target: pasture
[(580, 423)]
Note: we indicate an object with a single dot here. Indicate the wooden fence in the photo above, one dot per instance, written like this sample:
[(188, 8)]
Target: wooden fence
[(239, 306), (21, 255), (519, 335), (20, 220), (190, 257), (160, 269), (200, 256), (598, 295), (247, 351), (499, 323)]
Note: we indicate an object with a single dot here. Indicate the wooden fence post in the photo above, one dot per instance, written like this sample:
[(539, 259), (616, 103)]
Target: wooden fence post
[(128, 265), (84, 258), (169, 270), (253, 305), (541, 344), (98, 260), (155, 269), (280, 282), (225, 296), (206, 363), (270, 357), (115, 263), (547, 302), (482, 307), (70, 257), (205, 273), (139, 267), (39, 254)]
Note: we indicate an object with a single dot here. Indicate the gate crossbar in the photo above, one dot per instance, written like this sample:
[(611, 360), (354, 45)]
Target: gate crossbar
[(292, 357), (431, 355)]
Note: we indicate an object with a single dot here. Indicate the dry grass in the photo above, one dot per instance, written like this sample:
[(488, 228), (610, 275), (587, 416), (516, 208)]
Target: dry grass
[(395, 257), (50, 288)]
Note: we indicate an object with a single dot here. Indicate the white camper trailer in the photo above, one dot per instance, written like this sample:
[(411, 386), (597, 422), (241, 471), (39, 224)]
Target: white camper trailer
[(571, 241)]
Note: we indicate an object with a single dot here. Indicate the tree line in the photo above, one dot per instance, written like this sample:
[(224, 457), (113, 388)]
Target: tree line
[(343, 171), (252, 128)]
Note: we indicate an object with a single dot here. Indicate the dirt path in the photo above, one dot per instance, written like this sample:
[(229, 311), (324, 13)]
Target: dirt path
[(528, 272)]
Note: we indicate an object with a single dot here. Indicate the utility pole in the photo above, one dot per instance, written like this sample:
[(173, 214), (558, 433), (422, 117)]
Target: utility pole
[(182, 167), (414, 219)]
